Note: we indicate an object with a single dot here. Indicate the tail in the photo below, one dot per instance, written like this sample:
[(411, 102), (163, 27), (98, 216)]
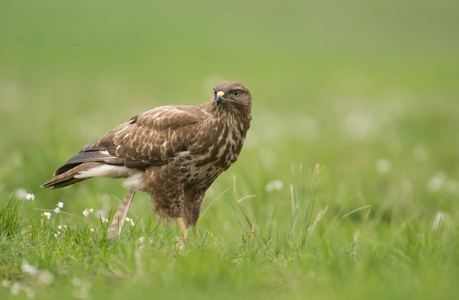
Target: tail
[(69, 176)]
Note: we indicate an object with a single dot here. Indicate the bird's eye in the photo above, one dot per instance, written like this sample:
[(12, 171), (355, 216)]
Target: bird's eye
[(236, 93)]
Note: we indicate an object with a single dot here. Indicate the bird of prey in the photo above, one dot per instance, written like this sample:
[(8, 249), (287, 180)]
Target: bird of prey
[(174, 153)]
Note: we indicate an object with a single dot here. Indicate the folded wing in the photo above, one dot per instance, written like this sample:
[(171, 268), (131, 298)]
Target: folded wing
[(149, 139)]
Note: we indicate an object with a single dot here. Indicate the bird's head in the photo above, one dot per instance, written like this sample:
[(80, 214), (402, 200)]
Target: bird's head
[(232, 95)]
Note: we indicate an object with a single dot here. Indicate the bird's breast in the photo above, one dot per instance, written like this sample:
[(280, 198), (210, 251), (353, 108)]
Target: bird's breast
[(213, 153)]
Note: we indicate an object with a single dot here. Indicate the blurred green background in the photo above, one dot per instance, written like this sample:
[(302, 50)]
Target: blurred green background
[(367, 89), (340, 83)]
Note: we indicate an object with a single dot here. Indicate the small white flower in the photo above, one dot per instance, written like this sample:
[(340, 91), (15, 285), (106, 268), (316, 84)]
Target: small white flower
[(383, 166), (87, 211), (57, 234), (62, 227), (20, 193), (46, 215), (46, 277), (57, 210), (437, 181), (92, 229), (104, 220), (29, 269), (141, 239), (6, 283), (15, 288), (275, 185), (130, 221), (76, 281), (30, 196), (359, 124), (60, 204)]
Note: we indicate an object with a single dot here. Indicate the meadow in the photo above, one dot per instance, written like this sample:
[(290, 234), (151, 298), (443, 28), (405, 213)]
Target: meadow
[(347, 186)]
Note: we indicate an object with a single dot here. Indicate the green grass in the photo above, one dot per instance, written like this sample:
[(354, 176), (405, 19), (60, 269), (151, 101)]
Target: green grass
[(352, 155)]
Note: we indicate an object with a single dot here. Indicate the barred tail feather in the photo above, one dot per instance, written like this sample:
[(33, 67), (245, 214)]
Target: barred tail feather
[(69, 177)]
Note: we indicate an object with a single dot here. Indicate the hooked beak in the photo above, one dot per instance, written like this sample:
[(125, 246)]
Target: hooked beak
[(220, 96)]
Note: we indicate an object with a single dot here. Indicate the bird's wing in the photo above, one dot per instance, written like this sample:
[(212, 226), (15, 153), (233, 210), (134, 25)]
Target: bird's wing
[(148, 139)]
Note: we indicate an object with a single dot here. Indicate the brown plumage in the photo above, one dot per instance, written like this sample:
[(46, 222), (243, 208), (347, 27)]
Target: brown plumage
[(174, 153)]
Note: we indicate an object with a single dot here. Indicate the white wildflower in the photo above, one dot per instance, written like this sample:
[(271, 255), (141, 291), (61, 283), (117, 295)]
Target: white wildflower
[(27, 268), (81, 289), (130, 221), (46, 277), (57, 234), (383, 166), (275, 185), (104, 220), (87, 211), (62, 227), (30, 293), (359, 125), (46, 215), (141, 239), (91, 229), (76, 281), (15, 288), (20, 193), (6, 283), (60, 204), (30, 196), (57, 210), (436, 182)]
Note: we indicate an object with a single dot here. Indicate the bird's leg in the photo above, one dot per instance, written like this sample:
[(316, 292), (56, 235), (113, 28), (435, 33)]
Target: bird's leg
[(184, 232), (120, 216), (195, 230)]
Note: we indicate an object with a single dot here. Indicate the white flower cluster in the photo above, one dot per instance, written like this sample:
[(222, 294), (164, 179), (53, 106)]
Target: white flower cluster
[(383, 166), (46, 214), (87, 211), (23, 194), (130, 221), (28, 268), (62, 227), (30, 196)]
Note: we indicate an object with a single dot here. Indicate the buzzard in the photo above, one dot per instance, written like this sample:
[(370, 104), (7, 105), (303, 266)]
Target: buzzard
[(174, 153)]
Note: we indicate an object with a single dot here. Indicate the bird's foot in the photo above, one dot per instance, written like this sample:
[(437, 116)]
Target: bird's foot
[(180, 244), (182, 240)]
